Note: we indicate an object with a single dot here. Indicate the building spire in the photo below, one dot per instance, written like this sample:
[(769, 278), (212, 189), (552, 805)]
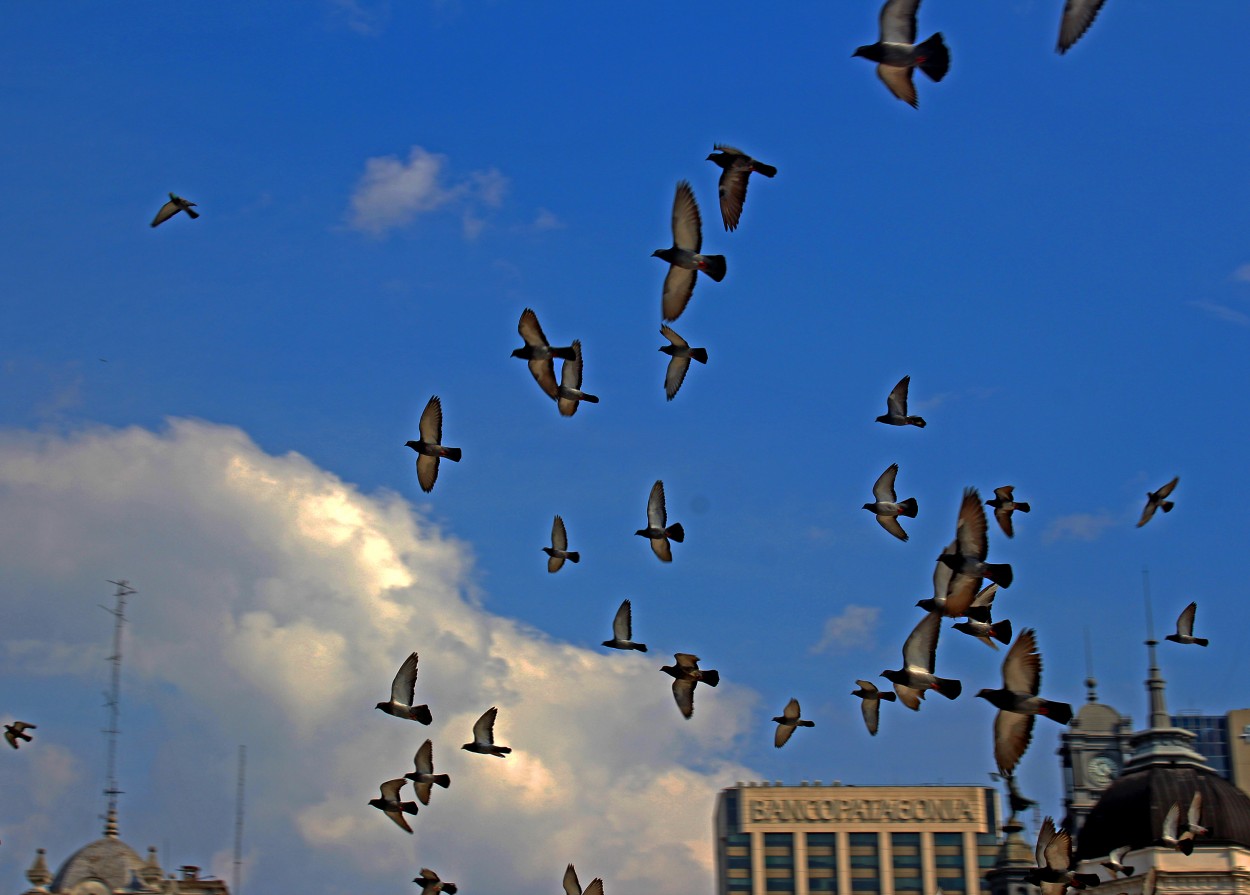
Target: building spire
[(114, 703), (1090, 683)]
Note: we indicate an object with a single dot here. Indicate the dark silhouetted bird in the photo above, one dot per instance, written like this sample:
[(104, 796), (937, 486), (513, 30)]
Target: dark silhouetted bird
[(657, 530), (897, 54), (428, 448), (403, 689), (980, 624), (887, 507), (538, 353), (484, 736), (1115, 861), (1018, 702), (967, 563), (1185, 627), (681, 353), (787, 721), (686, 673), (569, 392), (1004, 506), (736, 168), (916, 677), (1078, 15), (431, 885), (423, 778), (17, 731), (393, 806), (684, 257), (1155, 501), (870, 705), (623, 630), (1054, 860), (896, 407), (172, 207), (573, 887), (559, 551)]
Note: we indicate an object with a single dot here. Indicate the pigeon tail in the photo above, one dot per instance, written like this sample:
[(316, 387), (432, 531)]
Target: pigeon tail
[(564, 353), (1126, 870), (1023, 507), (675, 532), (452, 454), (711, 678), (420, 714), (933, 58), (1055, 711), (1166, 506), (699, 354), (443, 780), (761, 168), (1002, 633), (887, 696), (1201, 641), (714, 266), (591, 398), (917, 421), (191, 214), (501, 751), (573, 557), (805, 723), (999, 573), (947, 687), (907, 507), (408, 807), (1086, 880)]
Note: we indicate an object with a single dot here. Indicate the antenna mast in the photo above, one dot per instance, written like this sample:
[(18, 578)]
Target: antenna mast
[(113, 699), (238, 823)]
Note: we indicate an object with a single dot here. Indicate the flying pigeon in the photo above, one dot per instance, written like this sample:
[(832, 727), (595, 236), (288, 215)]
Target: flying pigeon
[(403, 688), (569, 392), (1015, 801), (1185, 627), (968, 563), (538, 353), (686, 673), (428, 448), (897, 54), (1168, 836), (887, 506), (1115, 860), (941, 584), (980, 624), (172, 207), (623, 630), (484, 736), (736, 168), (423, 778), (1155, 501), (657, 517), (391, 804), (559, 551), (787, 721), (871, 704), (1054, 858), (1018, 702), (916, 677), (1193, 827), (1004, 506), (17, 731), (896, 407), (681, 353), (431, 885), (684, 256), (1078, 15), (573, 887)]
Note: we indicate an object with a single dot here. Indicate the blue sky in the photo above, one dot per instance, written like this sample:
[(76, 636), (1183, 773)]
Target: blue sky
[(1054, 248)]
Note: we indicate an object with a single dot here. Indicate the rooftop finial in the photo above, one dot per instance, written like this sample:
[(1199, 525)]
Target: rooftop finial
[(1090, 682), (110, 824)]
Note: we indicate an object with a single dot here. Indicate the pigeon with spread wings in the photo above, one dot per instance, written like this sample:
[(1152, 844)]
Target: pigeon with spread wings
[(897, 55), (428, 448), (896, 407), (484, 736), (559, 550), (681, 353), (569, 392), (573, 887), (870, 706), (787, 721), (15, 732), (686, 673), (539, 353), (657, 531), (684, 258), (887, 507), (1185, 627), (1018, 703), (736, 168), (172, 207), (393, 806), (1004, 506), (431, 884), (423, 778), (1155, 501), (403, 689), (916, 677), (623, 630)]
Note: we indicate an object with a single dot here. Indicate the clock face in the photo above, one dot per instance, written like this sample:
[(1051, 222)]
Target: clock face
[(1102, 770)]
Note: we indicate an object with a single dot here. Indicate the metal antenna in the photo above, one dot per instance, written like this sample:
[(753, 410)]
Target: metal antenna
[(238, 823), (1150, 622), (113, 699)]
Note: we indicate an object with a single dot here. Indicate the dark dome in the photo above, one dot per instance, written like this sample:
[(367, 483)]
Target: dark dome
[(109, 860), (1132, 808)]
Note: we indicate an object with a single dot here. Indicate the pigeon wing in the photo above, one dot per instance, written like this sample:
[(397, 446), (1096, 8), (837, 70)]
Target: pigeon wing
[(1185, 621), (559, 537), (896, 402), (1022, 667), (683, 693), (883, 489), (432, 421), (791, 711), (571, 370), (970, 534), (424, 759), (544, 372), (871, 710), (686, 661), (484, 729), (390, 789), (571, 885), (942, 574), (1078, 15), (1012, 733), (595, 887), (168, 210), (733, 192), (427, 472), (657, 515), (1004, 521), (404, 686), (669, 333), (1167, 489), (783, 734), (920, 648), (891, 524), (675, 375), (1170, 821), (678, 287), (909, 696), (687, 224), (1004, 493), (661, 548), (898, 21), (530, 331), (985, 598), (623, 623), (899, 81)]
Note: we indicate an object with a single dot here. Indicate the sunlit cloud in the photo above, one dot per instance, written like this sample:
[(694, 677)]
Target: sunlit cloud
[(1223, 312), (854, 628), (1078, 527)]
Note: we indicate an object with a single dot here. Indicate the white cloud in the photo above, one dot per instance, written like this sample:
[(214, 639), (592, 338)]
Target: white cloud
[(545, 219), (1223, 312), (854, 628), (1242, 273), (1078, 527), (275, 603), (393, 193)]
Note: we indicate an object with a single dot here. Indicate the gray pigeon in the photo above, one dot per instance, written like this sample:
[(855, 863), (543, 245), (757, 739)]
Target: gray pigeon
[(623, 630), (428, 448), (559, 551), (1185, 627), (573, 887), (431, 885), (684, 257), (967, 563), (538, 353), (1054, 860), (870, 706), (980, 624), (887, 506), (897, 55), (393, 806), (1115, 861), (1155, 501), (423, 778), (172, 207), (736, 168), (686, 674), (681, 353), (896, 407), (1193, 827), (403, 688), (484, 736), (657, 529), (17, 731), (916, 677), (1078, 15), (1170, 836), (1018, 702), (569, 392), (787, 721), (1004, 506)]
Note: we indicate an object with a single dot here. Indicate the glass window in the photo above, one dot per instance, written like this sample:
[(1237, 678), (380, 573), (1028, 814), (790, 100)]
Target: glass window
[(948, 861), (779, 884), (940, 839), (823, 861), (778, 840), (898, 840), (740, 885), (778, 860), (907, 884), (866, 886), (858, 840), (741, 861), (825, 884)]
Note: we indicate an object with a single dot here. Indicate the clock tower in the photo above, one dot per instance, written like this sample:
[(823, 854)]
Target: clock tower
[(1092, 751)]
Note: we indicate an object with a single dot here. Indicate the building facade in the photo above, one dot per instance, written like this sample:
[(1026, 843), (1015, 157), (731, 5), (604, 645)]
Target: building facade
[(855, 840), (1224, 741), (1092, 752)]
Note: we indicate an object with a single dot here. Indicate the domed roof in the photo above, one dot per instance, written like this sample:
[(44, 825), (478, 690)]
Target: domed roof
[(1132, 809), (109, 860)]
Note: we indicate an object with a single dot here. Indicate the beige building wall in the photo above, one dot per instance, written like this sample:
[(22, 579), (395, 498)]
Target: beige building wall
[(1239, 748)]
